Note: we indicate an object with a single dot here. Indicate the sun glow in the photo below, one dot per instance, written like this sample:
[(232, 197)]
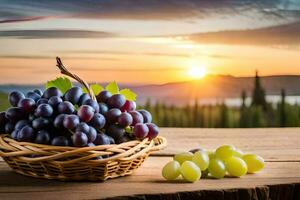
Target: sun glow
[(197, 72)]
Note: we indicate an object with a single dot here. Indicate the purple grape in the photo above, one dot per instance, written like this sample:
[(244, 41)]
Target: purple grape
[(146, 116), (83, 98), (82, 127), (28, 105), (128, 106), (14, 114), (103, 96), (14, 134), (91, 134), (111, 140), (153, 130), (93, 104), (116, 101), (31, 117), (98, 121), (60, 141), (41, 101), (20, 124), (140, 130), (44, 110), (85, 113), (125, 119), (59, 121), (14, 98), (122, 139), (112, 115), (102, 139), (3, 121), (33, 95), (9, 127), (103, 108), (73, 95), (66, 107), (115, 131), (54, 101), (40, 123), (26, 134), (90, 145), (43, 137), (71, 121), (52, 91), (79, 139), (38, 91), (136, 117)]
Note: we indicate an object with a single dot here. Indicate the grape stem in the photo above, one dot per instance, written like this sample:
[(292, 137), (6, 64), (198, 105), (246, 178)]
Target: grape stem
[(66, 72)]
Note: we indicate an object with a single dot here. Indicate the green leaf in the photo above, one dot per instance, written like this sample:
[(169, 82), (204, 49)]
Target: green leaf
[(95, 87), (112, 88), (61, 83), (129, 94)]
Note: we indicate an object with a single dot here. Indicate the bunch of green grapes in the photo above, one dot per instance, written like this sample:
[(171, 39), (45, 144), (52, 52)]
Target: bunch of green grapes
[(226, 160)]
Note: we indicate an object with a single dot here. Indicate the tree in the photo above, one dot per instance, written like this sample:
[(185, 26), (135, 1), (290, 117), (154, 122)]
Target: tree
[(195, 117), (258, 96), (224, 118), (244, 96), (282, 111), (244, 121)]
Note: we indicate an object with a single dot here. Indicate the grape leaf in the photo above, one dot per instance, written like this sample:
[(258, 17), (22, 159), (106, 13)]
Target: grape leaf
[(95, 87), (112, 88), (129, 94), (61, 83)]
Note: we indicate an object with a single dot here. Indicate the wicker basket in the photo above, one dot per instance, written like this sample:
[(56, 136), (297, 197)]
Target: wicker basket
[(70, 163), (96, 163)]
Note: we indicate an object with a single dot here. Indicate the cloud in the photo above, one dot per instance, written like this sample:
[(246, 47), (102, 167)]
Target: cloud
[(57, 34), (180, 55), (287, 34), (24, 19), (125, 53), (146, 9), (126, 69), (53, 57)]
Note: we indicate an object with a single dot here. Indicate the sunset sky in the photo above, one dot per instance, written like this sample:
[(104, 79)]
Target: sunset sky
[(148, 41)]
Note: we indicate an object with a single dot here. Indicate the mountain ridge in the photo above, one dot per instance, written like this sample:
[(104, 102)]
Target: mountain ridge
[(211, 86)]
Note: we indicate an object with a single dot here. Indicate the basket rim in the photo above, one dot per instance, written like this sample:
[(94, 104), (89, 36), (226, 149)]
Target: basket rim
[(124, 151)]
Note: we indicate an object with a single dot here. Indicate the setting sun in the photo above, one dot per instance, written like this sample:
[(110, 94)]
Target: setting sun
[(197, 72)]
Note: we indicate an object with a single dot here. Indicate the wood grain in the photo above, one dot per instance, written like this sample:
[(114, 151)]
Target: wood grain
[(279, 180), (274, 144), (147, 181)]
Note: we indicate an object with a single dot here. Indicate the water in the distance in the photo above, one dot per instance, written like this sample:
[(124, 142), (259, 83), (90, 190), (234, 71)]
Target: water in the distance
[(236, 102)]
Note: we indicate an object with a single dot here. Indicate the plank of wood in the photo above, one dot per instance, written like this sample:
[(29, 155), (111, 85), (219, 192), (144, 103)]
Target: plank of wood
[(274, 144), (280, 179)]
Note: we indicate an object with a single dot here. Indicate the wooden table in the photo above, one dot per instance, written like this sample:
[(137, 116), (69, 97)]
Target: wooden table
[(279, 180)]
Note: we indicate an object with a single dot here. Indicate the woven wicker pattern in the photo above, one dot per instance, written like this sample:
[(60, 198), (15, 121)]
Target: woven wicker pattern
[(71, 163)]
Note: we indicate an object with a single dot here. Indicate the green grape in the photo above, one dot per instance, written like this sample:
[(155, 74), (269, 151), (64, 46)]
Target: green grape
[(216, 168), (190, 171), (201, 159), (181, 157), (254, 162), (171, 170), (211, 154), (238, 153), (236, 166), (225, 151)]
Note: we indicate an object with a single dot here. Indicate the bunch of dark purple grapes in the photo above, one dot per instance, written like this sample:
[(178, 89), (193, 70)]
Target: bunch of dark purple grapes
[(74, 119)]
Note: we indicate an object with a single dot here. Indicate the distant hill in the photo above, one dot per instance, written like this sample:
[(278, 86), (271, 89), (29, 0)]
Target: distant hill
[(216, 87), (212, 86)]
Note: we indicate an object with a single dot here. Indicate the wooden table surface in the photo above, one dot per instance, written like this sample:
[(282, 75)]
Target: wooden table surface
[(279, 180)]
